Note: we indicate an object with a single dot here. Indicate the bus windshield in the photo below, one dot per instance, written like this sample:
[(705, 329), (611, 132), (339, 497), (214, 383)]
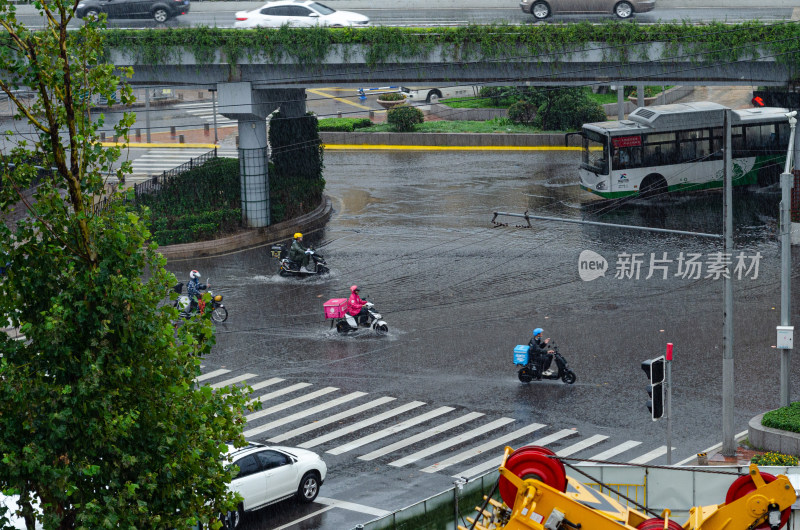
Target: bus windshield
[(595, 152)]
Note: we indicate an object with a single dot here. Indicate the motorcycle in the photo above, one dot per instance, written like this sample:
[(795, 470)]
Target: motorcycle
[(336, 310), (533, 369), (317, 264), (218, 311)]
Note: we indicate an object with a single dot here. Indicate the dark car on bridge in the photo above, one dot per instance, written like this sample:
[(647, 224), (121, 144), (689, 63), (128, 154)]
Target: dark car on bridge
[(158, 10), (541, 9)]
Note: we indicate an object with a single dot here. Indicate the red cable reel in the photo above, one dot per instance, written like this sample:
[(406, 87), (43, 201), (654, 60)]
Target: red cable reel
[(533, 462)]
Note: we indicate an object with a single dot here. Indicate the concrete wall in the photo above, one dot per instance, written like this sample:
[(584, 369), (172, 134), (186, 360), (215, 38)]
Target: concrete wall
[(665, 98), (446, 139)]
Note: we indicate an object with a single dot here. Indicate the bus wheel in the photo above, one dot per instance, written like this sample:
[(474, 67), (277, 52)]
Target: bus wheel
[(653, 186), (433, 94)]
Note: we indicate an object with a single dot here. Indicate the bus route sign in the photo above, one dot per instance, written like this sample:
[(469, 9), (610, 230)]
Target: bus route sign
[(627, 141)]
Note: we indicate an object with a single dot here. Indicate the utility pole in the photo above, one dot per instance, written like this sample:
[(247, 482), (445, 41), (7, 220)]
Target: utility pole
[(728, 442), (147, 112), (214, 110), (785, 330)]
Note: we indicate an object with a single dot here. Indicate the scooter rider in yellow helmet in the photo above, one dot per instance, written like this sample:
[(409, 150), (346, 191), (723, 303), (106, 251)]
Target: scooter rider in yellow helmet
[(297, 252)]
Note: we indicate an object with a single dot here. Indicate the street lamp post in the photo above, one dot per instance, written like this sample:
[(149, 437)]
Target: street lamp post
[(786, 262), (214, 110)]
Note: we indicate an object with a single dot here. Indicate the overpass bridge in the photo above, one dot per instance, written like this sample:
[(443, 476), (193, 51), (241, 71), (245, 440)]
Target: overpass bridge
[(258, 71)]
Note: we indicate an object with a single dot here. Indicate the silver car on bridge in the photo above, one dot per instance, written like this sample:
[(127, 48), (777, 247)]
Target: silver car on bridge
[(541, 9)]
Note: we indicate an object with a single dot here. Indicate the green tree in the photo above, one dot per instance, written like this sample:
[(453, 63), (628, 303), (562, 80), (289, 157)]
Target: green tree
[(564, 109), (101, 422)]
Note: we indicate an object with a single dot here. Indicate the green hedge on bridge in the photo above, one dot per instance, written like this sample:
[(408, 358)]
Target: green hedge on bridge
[(713, 42)]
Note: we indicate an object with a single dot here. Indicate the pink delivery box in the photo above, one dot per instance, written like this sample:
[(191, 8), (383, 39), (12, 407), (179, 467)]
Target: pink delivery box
[(335, 307)]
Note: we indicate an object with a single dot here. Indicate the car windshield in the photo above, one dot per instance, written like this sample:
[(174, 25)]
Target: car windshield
[(322, 9)]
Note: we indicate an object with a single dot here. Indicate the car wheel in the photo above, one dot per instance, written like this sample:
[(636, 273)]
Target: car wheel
[(91, 13), (309, 487), (233, 519), (623, 10), (540, 10), (160, 14)]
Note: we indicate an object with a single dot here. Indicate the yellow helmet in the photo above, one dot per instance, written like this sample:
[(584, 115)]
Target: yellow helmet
[(298, 235)]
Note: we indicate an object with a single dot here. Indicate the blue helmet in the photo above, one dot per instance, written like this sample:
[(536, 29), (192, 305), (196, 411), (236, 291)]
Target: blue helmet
[(537, 331)]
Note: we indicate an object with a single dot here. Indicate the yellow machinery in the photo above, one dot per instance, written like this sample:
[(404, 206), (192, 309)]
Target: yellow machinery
[(538, 495)]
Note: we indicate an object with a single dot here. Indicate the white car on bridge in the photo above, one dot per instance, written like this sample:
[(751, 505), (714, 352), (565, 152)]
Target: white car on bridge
[(298, 13)]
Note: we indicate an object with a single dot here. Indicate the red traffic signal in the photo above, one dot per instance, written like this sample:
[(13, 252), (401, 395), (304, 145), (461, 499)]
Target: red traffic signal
[(758, 101)]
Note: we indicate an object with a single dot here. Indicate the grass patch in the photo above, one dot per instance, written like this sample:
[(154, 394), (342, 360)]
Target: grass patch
[(476, 103)]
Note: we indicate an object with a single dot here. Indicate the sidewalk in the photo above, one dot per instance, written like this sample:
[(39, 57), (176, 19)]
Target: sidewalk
[(191, 138)]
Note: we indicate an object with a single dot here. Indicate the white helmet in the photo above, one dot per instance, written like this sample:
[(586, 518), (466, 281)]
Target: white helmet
[(194, 274)]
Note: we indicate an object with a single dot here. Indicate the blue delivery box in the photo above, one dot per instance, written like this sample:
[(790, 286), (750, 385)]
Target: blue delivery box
[(521, 354)]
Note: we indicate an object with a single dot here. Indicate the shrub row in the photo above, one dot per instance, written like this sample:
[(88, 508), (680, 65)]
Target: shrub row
[(785, 418), (343, 124)]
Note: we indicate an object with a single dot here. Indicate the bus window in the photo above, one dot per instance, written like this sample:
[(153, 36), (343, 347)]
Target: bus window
[(737, 141), (660, 149), (595, 152), (627, 157)]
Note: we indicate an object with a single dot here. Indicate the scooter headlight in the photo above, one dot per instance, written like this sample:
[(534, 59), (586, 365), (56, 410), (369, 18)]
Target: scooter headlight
[(218, 298)]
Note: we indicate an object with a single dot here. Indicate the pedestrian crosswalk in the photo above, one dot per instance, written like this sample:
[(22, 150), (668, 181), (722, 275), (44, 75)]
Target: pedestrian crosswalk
[(159, 159), (204, 111), (404, 434)]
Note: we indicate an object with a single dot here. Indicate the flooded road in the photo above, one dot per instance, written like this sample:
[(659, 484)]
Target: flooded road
[(414, 231)]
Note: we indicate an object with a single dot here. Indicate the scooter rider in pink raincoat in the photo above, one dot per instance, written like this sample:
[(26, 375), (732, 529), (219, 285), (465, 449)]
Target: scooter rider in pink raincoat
[(355, 306)]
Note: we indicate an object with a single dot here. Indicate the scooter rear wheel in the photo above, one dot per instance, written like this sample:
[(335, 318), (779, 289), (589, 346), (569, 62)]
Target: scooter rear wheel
[(525, 375), (342, 327)]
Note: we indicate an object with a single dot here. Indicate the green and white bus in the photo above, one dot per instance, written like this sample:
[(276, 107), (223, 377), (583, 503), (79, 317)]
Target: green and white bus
[(678, 147)]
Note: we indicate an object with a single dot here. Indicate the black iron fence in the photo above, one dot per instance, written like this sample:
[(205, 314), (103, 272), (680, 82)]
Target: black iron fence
[(157, 182)]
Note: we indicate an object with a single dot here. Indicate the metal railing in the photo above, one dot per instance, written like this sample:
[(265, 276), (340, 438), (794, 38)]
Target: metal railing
[(155, 183)]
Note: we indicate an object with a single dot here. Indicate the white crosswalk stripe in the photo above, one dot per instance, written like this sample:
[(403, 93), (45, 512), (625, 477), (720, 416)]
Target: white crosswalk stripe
[(331, 419), (389, 431), (441, 446), (614, 451), (159, 159), (478, 450), (583, 444), (303, 414), (375, 423), (291, 403), (652, 455), (494, 463), (233, 380), (361, 424), (211, 375), (421, 436), (205, 111)]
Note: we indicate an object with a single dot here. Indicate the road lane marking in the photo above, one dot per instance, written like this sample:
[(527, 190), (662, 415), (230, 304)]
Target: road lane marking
[(451, 442), (340, 100), (304, 413), (433, 431), (614, 451), (480, 449), (361, 424), (211, 375), (495, 462), (233, 380), (389, 431), (309, 516), (353, 507), (331, 419)]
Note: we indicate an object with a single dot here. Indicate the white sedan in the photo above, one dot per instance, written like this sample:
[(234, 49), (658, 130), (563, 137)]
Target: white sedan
[(269, 474), (298, 13)]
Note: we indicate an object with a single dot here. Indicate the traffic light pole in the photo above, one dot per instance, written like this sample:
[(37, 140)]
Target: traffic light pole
[(669, 402)]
